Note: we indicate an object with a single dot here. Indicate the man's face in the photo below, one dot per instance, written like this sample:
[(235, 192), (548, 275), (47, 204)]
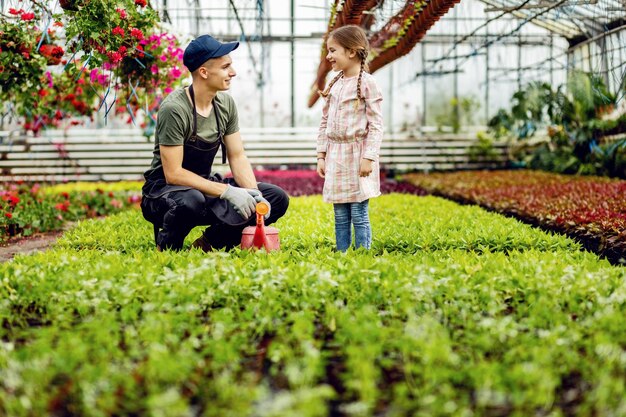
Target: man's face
[(218, 72)]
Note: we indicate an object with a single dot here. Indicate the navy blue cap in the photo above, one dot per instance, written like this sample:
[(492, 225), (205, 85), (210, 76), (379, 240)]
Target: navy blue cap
[(203, 48)]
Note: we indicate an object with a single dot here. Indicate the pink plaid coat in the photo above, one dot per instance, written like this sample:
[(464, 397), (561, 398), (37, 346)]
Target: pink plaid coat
[(350, 130)]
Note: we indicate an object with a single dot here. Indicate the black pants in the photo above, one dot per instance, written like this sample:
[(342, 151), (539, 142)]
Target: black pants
[(176, 213)]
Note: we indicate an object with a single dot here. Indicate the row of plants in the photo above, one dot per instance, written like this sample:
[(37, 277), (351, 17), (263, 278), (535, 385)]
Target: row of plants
[(58, 69), (32, 208), (569, 129), (592, 209), (26, 209), (455, 314), (307, 182)]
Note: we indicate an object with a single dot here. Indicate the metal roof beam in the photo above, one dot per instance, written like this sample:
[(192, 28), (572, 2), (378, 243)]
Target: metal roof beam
[(552, 26)]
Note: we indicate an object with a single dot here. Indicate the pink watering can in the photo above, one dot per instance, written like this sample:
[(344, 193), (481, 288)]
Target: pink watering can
[(259, 236)]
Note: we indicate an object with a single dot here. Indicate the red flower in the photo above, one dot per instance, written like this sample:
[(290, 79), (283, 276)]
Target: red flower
[(28, 16), (9, 215), (140, 53), (80, 106), (136, 33), (114, 57), (141, 3), (15, 12), (62, 206), (118, 31)]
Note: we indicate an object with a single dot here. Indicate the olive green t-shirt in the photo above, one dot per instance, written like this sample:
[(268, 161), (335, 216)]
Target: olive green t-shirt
[(175, 122)]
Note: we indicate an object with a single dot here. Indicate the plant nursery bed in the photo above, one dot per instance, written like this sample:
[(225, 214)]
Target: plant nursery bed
[(590, 209), (454, 311)]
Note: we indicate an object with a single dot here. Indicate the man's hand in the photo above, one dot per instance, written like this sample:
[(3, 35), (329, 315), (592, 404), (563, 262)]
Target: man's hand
[(258, 197), (366, 167), (241, 200)]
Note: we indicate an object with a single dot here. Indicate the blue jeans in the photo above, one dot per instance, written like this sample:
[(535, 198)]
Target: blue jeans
[(347, 214)]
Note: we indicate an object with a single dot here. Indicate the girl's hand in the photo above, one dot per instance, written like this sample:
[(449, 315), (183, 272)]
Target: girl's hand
[(321, 168), (366, 167)]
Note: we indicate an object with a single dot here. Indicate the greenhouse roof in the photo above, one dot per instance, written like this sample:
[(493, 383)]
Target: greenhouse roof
[(576, 20)]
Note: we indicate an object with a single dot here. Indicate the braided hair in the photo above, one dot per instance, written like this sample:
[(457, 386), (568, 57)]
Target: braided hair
[(362, 53), (330, 85)]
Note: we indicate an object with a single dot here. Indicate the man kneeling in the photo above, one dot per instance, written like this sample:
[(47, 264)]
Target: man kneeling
[(180, 192)]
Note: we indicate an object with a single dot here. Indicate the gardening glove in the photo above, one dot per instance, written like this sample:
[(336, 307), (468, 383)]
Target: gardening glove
[(258, 197), (241, 200)]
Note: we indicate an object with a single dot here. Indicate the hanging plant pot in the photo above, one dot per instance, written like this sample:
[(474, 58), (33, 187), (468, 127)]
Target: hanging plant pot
[(136, 66), (71, 5)]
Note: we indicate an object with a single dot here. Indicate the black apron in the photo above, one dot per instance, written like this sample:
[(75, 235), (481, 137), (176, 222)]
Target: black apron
[(198, 157)]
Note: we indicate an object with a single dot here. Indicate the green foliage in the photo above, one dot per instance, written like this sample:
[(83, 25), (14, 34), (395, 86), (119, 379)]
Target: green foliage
[(562, 130), (483, 148), (454, 112), (455, 311)]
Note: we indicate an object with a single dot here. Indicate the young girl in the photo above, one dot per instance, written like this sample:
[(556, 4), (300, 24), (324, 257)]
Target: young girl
[(349, 137)]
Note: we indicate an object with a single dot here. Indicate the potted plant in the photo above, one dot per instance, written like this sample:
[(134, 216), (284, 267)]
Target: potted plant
[(21, 66)]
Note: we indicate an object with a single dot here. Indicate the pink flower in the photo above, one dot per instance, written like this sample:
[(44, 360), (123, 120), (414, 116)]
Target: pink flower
[(167, 90), (175, 72), (163, 58), (154, 69), (49, 77), (122, 13), (93, 75)]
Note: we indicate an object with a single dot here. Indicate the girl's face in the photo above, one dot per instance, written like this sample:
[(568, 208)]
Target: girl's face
[(339, 57)]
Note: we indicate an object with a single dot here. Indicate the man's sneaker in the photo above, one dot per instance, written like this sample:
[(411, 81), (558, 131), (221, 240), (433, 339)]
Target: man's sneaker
[(203, 244)]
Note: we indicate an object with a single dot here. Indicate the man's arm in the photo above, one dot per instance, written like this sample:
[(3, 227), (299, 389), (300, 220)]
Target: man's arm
[(238, 161), (175, 174)]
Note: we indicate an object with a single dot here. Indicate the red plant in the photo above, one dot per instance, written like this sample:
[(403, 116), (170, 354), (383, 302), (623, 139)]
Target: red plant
[(590, 208)]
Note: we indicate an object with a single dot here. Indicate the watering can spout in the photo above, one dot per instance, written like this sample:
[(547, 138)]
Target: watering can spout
[(259, 236)]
